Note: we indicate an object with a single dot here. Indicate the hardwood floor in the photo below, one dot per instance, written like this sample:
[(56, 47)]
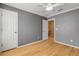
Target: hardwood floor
[(43, 48)]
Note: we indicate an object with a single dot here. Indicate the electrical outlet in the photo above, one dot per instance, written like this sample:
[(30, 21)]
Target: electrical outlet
[(56, 29), (71, 40)]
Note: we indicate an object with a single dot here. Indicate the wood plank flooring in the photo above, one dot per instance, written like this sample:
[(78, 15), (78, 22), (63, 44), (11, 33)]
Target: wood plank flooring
[(43, 48)]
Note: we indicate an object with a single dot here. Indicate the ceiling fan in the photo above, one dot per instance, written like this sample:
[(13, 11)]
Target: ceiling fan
[(50, 6)]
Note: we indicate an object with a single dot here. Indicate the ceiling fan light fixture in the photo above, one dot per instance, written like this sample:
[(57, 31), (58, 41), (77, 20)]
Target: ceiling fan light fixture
[(49, 8)]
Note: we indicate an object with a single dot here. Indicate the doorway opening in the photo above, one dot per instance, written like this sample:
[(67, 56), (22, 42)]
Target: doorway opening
[(51, 29)]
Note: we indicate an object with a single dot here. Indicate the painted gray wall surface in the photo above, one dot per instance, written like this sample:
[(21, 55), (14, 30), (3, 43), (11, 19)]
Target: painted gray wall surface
[(29, 27), (68, 27), (0, 30)]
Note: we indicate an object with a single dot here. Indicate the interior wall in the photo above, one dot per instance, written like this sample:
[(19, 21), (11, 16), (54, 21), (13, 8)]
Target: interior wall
[(29, 25), (67, 27), (0, 30)]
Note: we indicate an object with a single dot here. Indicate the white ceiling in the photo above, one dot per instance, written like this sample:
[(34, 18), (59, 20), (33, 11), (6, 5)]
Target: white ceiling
[(37, 9)]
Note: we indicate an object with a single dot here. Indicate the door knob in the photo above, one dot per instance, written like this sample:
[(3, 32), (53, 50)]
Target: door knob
[(15, 32)]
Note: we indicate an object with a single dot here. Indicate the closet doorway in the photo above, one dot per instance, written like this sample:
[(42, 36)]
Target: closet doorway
[(8, 29)]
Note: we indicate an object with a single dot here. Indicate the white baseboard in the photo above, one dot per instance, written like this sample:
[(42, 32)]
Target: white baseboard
[(30, 43), (66, 44)]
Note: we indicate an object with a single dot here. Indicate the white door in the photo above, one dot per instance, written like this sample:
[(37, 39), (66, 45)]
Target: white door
[(45, 29), (10, 29)]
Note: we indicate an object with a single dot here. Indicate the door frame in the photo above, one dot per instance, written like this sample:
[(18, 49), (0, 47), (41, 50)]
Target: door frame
[(53, 19), (17, 23), (42, 29)]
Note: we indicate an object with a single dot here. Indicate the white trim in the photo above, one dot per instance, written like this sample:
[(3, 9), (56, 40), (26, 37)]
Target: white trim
[(63, 12), (30, 43), (53, 19), (50, 19), (18, 27), (44, 29), (66, 44), (17, 21), (54, 29)]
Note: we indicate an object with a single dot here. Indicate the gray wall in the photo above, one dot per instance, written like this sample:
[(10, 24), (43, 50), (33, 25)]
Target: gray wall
[(68, 27), (30, 25), (0, 31)]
